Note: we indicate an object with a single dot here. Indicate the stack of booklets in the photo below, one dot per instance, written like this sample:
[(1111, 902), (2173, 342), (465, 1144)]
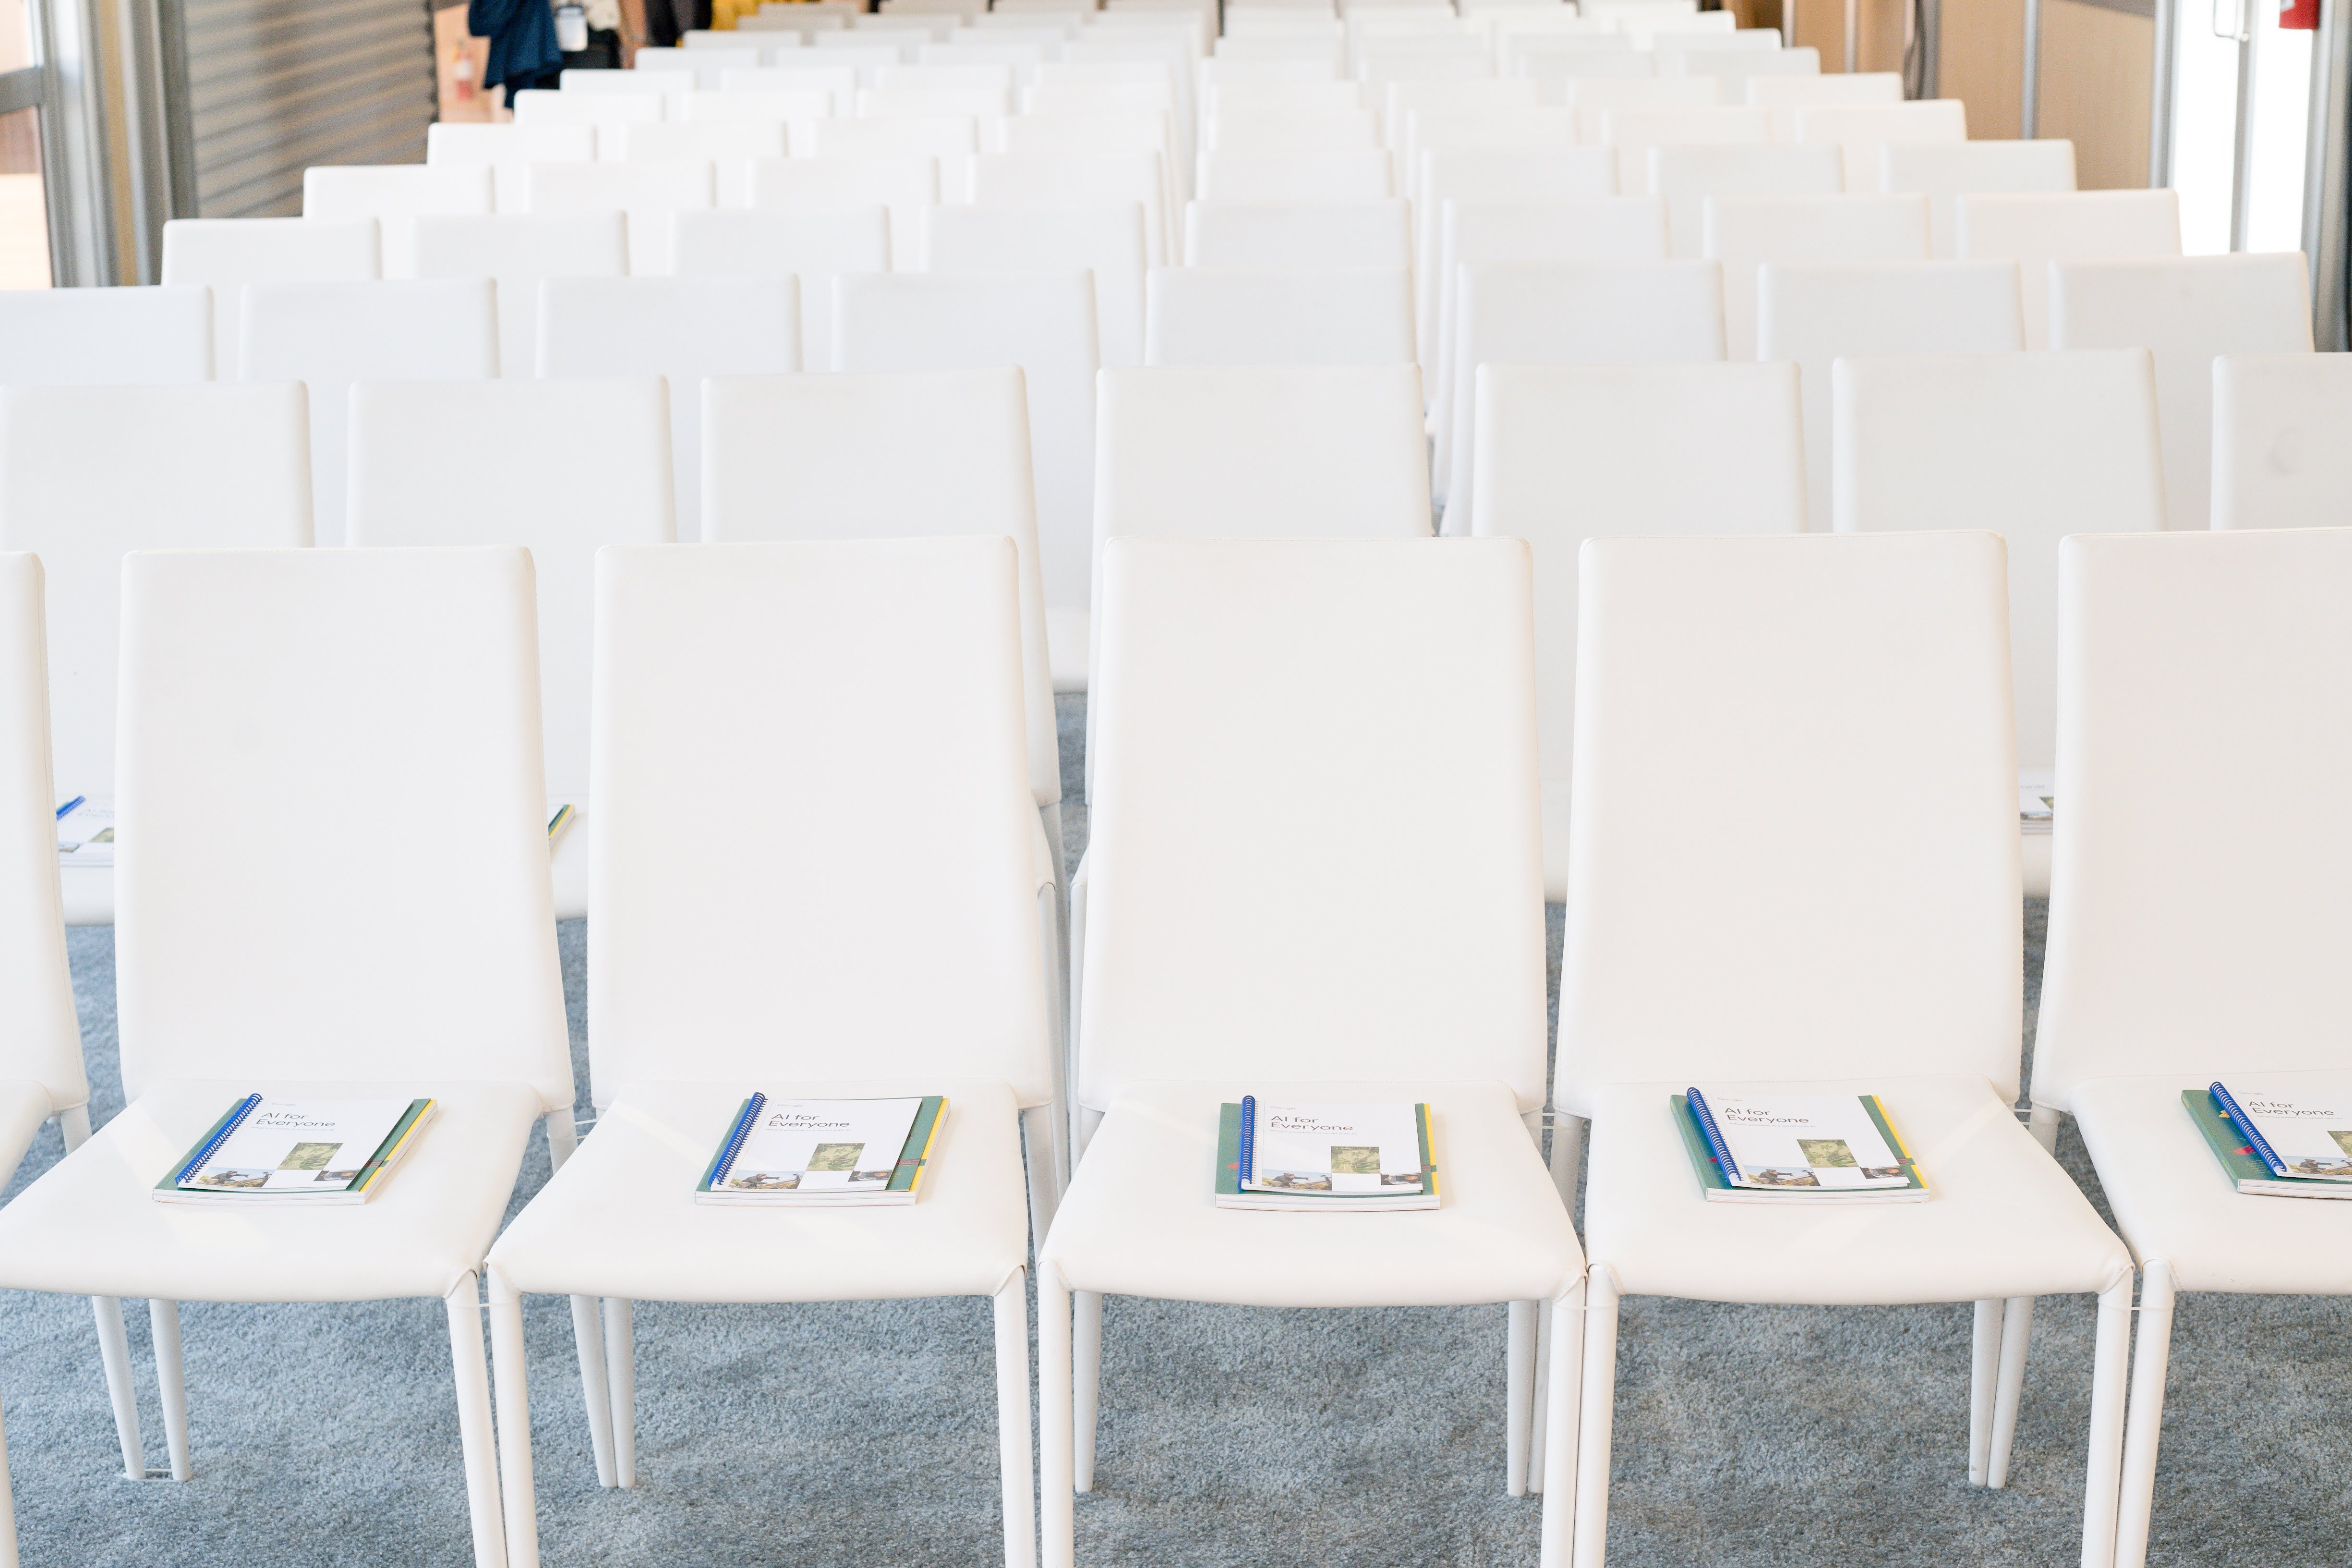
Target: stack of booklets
[(1329, 1159), (2293, 1143), (1797, 1149), (271, 1152), (2037, 802), (84, 833), (824, 1153)]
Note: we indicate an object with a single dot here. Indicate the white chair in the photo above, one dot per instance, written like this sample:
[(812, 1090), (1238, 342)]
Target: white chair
[(1508, 175), (1201, 315), (599, 83), (221, 467), (1255, 98), (814, 243), (1863, 128), (1594, 98), (518, 251), (396, 196), (1298, 234), (1710, 940), (640, 101), (226, 254), (1567, 453), (1783, 95), (646, 193), (1042, 179), (106, 337), (1943, 170), (1348, 174), (2276, 460), (348, 690), (951, 78), (816, 73), (1634, 133), (797, 107), (1136, 131), (1275, 131), (1819, 313), (728, 146), (2190, 941), (2035, 230), (1104, 238), (329, 335), (909, 185), (1747, 233), (983, 105), (680, 329), (510, 151), (950, 138), (935, 717), (1687, 175), (1401, 99), (435, 464), (1392, 847), (1584, 312), (704, 63), (1736, 65), (1044, 323), (2037, 445), (2187, 310)]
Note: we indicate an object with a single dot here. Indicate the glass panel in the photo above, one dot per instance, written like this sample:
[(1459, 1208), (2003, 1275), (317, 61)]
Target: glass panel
[(23, 212), (15, 35)]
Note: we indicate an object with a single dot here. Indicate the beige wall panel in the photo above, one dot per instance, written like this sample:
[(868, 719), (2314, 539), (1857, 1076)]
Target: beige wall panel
[(2095, 64), (1984, 63)]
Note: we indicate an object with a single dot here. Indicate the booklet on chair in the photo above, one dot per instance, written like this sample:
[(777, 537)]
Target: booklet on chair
[(296, 1151), (84, 833), (1353, 1158), (1797, 1149), (2296, 1144), (824, 1153)]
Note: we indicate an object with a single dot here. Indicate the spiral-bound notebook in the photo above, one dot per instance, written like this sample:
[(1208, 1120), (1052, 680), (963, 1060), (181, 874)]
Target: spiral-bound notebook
[(296, 1151), (1334, 1159), (1796, 1148), (819, 1153), (2295, 1144)]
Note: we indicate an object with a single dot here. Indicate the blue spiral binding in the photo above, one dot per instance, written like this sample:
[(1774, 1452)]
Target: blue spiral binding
[(236, 1119), (734, 1145), (1707, 1128), (1249, 1139), (2246, 1124)]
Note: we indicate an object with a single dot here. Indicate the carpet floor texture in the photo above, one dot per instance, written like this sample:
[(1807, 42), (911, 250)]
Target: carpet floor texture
[(1746, 1437)]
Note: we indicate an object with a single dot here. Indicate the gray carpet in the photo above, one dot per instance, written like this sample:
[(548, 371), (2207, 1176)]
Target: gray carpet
[(327, 1435)]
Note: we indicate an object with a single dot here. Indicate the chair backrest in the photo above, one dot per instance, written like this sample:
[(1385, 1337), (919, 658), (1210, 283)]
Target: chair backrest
[(1105, 238), (1203, 316), (1401, 99), (1594, 97), (2189, 934), (1044, 323), (535, 106), (371, 716), (740, 676), (1863, 129), (1687, 175), (438, 464), (40, 1038), (2278, 458), (2036, 446), (1034, 179), (1511, 175), (893, 455), (1566, 453), (907, 184), (646, 193), (1784, 95), (726, 144), (811, 244), (396, 196), (1785, 859), (1747, 233), (1298, 234), (1278, 131), (1945, 171), (329, 335), (226, 254), (2035, 230), (2187, 310), (517, 251), (106, 337), (680, 329), (221, 467), (794, 106), (1634, 133), (1348, 174), (1578, 312), (509, 149), (1348, 727), (1819, 313)]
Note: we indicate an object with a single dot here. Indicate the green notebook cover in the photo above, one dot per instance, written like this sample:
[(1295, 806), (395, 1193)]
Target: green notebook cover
[(1229, 1151), (1713, 1177), (1703, 1164), (2239, 1161), (913, 1155)]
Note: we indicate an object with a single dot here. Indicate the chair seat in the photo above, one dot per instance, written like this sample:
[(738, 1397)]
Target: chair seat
[(2005, 1219), (620, 1219), (1139, 1218), (88, 1227), (2175, 1206), (24, 1106)]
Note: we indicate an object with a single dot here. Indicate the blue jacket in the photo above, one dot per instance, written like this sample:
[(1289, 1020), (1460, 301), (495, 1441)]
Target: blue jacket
[(522, 41)]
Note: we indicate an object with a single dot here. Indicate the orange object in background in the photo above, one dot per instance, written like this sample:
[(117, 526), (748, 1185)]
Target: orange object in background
[(461, 58)]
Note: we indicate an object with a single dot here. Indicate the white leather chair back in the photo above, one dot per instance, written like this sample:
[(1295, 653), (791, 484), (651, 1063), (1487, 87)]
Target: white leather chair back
[(633, 102), (907, 184), (40, 1038), (1566, 453), (1345, 730), (1784, 95), (1687, 175), (107, 337), (1402, 99), (509, 149), (812, 244), (1510, 174), (2279, 460), (681, 328), (226, 254), (518, 251), (1034, 179), (646, 193), (329, 335), (1746, 233), (1862, 130), (396, 196), (1105, 238), (1945, 171), (333, 860), (1289, 131), (1298, 234), (2188, 933), (1201, 315), (1634, 133), (728, 145), (434, 464), (1348, 174), (2035, 230), (1789, 858), (2187, 310)]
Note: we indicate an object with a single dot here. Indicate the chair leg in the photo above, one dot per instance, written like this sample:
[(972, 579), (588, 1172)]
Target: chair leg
[(587, 1336), (1560, 1395), (1518, 1390), (509, 1382), (171, 1383), (114, 1355), (1058, 1508), (1566, 1160), (475, 1427), (1012, 1425), (2111, 1353), (2144, 1425), (1086, 1374), (1038, 1157), (2043, 1124), (1074, 979), (2008, 1392), (1538, 1428), (8, 1509), (1599, 1402), (1984, 1369), (621, 1373)]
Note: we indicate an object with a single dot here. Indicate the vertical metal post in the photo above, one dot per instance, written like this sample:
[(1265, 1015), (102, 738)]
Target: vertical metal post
[(2029, 107), (1931, 49), (2242, 150), (2326, 168), (2160, 91)]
